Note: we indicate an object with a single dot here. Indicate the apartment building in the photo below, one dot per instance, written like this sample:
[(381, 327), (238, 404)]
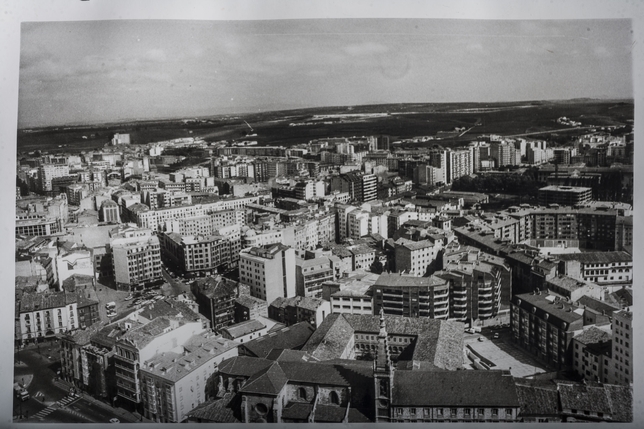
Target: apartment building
[(414, 257), (299, 309), (45, 315), (411, 296), (565, 195), (598, 267), (310, 274), (136, 259), (269, 271), (592, 353), (545, 325), (160, 327), (621, 366), (216, 297), (174, 382), (196, 254)]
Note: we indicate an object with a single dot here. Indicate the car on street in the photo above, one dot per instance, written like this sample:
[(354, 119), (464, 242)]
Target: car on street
[(115, 420), (481, 339), (496, 336), (129, 297)]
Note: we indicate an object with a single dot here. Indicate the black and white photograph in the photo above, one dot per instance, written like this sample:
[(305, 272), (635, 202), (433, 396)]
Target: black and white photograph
[(322, 219)]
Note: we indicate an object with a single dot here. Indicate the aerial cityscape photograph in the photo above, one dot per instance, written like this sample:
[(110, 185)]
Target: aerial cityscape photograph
[(324, 221)]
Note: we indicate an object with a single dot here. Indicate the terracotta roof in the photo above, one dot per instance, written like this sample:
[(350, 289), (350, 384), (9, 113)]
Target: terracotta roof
[(455, 388)]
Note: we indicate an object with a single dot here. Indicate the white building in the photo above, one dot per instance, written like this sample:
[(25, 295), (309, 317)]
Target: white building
[(269, 271), (176, 381)]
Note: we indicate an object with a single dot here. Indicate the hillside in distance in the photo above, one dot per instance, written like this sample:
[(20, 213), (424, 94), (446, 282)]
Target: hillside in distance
[(289, 127)]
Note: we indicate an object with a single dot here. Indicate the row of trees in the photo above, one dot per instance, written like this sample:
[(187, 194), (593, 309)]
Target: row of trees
[(520, 184)]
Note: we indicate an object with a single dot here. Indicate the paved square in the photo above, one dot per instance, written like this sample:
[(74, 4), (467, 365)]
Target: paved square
[(507, 356)]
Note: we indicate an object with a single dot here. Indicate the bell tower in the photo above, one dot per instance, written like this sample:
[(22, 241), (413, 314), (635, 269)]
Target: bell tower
[(383, 375)]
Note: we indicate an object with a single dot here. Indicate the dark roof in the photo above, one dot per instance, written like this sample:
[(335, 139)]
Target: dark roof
[(437, 341), (329, 413), (219, 410), (596, 257), (311, 372), (583, 398), (290, 356), (593, 335), (213, 287), (292, 337), (269, 381), (621, 400), (597, 305), (454, 388), (243, 365), (297, 411), (543, 306), (537, 401)]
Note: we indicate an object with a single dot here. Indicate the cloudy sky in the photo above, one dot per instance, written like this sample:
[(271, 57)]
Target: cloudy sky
[(90, 72)]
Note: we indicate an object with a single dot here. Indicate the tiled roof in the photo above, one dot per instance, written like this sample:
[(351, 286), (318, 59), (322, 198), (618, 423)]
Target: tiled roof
[(243, 365), (330, 339), (305, 302), (583, 398), (593, 335), (621, 401), (596, 257), (437, 341), (290, 356), (292, 337), (219, 410), (597, 305), (455, 388), (537, 401), (242, 328), (41, 301), (297, 411), (329, 413), (213, 287), (269, 381)]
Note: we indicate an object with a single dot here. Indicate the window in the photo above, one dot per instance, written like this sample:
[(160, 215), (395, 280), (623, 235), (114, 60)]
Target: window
[(301, 393), (453, 412), (467, 412), (334, 398), (495, 412)]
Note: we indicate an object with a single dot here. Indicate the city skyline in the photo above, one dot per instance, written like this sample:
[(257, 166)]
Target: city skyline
[(103, 71)]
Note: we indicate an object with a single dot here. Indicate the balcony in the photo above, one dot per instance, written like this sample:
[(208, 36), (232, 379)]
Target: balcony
[(459, 291), (445, 294), (127, 386), (459, 298)]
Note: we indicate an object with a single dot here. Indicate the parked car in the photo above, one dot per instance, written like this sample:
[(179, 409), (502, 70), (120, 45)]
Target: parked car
[(496, 336)]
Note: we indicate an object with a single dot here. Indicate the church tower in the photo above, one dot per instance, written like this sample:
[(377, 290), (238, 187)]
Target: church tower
[(383, 374)]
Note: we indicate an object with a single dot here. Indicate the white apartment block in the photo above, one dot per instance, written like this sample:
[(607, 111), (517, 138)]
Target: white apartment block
[(269, 271), (136, 258), (176, 381)]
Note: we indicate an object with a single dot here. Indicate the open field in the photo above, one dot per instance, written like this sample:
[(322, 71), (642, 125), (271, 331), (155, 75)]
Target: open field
[(399, 121)]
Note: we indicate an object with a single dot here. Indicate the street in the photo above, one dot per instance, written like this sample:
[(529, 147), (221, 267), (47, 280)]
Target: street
[(38, 368)]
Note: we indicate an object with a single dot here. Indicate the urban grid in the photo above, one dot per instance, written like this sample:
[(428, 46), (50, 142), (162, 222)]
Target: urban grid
[(328, 265), (328, 282)]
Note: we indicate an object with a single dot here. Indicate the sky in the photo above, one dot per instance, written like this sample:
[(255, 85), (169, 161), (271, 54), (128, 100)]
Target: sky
[(102, 71)]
